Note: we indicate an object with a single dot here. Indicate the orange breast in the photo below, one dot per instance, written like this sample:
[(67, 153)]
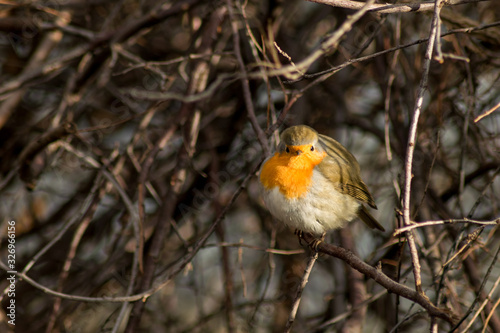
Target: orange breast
[(291, 174)]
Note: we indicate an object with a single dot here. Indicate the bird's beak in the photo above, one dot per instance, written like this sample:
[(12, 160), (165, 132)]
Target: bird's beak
[(299, 152)]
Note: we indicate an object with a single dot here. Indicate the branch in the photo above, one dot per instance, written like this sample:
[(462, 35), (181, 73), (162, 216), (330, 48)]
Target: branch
[(300, 289), (330, 44), (247, 95), (168, 95), (156, 15), (392, 286), (412, 142), (487, 113), (392, 8), (415, 225)]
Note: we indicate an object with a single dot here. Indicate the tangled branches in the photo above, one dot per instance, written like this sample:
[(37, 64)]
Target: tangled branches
[(132, 132)]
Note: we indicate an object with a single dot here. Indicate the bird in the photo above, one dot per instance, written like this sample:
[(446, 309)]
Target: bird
[(313, 184)]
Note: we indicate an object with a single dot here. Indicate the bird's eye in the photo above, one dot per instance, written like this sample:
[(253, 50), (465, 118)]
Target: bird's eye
[(287, 149), (312, 148)]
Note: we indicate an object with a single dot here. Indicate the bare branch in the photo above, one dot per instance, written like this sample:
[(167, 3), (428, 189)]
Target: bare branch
[(415, 225), (392, 8)]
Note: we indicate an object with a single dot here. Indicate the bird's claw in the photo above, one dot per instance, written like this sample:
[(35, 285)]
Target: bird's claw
[(299, 234), (314, 244)]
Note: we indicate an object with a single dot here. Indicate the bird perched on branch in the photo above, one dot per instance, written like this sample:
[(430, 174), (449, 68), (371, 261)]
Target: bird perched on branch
[(313, 184)]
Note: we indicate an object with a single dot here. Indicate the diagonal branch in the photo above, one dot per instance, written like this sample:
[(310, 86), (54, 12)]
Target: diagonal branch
[(378, 276)]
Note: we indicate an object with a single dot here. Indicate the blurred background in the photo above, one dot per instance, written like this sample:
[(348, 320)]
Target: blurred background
[(131, 134)]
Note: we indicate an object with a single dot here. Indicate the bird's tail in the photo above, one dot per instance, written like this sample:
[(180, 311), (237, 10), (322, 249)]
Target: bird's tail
[(369, 220)]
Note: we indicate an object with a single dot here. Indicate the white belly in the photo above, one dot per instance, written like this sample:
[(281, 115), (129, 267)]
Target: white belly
[(323, 208)]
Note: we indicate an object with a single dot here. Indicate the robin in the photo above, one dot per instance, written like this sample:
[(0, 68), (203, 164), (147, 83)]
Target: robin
[(313, 184)]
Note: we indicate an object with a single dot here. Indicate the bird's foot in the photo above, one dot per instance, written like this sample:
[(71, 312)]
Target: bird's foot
[(299, 234), (314, 244)]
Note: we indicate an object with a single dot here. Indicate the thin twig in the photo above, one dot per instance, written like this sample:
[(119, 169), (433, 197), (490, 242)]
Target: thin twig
[(346, 314), (134, 218), (247, 95), (77, 237), (389, 50), (257, 248), (481, 308), (492, 312), (330, 44), (84, 207), (487, 113), (300, 289), (478, 291), (415, 225), (392, 8), (149, 95), (388, 93)]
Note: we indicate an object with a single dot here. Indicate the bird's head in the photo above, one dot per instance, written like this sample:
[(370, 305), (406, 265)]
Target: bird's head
[(300, 145)]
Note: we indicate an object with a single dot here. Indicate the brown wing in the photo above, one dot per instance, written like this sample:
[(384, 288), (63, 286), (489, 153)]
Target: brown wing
[(342, 169)]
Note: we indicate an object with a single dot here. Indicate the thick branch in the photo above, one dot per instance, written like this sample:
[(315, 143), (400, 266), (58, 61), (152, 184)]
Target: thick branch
[(382, 279)]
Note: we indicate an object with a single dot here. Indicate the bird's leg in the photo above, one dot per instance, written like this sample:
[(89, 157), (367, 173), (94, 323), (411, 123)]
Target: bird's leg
[(299, 234), (315, 243)]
